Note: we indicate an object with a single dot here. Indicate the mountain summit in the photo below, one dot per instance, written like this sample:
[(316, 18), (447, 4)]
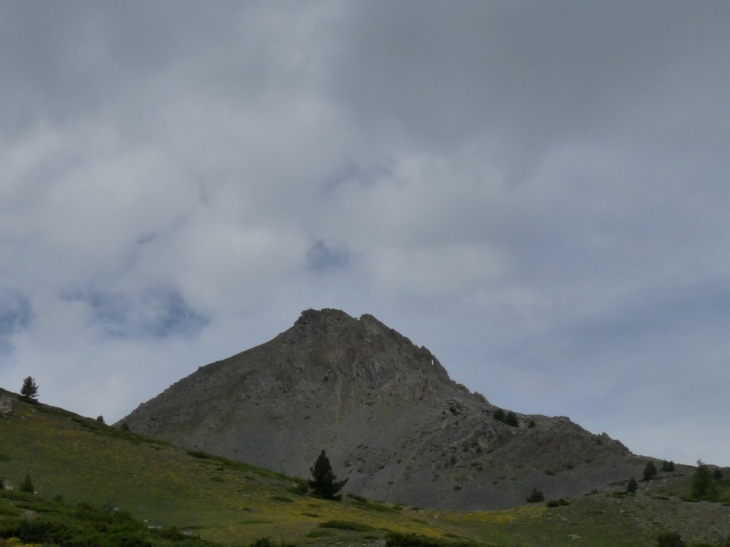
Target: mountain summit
[(387, 413)]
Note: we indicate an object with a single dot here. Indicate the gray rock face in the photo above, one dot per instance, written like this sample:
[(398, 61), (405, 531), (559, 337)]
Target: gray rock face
[(388, 415)]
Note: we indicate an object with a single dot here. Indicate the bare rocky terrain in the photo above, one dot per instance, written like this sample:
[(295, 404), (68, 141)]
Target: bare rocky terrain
[(387, 413)]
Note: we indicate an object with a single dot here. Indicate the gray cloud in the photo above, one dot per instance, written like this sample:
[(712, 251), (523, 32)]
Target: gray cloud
[(535, 192)]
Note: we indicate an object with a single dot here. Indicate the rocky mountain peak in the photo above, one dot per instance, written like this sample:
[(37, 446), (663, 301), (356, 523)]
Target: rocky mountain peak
[(364, 349), (386, 412)]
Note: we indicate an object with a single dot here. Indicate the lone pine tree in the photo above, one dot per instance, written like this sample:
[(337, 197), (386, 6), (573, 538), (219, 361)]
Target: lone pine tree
[(29, 391), (323, 480)]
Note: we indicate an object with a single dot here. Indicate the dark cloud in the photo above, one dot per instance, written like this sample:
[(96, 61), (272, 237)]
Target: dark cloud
[(526, 76)]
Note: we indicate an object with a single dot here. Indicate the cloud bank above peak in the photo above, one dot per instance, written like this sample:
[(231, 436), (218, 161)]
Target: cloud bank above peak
[(536, 192)]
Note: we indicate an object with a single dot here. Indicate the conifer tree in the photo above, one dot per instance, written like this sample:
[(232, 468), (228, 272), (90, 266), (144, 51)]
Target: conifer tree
[(27, 485), (649, 471), (323, 481), (535, 496), (633, 486), (511, 419), (667, 466), (703, 485), (29, 391)]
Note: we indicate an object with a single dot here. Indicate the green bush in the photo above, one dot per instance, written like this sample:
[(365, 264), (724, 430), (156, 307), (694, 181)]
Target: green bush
[(632, 486), (84, 525), (499, 415), (667, 467), (553, 503)]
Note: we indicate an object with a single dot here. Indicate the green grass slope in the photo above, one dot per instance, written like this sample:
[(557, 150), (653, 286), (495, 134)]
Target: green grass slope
[(78, 459)]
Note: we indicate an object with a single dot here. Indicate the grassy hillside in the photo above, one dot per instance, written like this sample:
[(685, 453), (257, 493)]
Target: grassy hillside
[(78, 459)]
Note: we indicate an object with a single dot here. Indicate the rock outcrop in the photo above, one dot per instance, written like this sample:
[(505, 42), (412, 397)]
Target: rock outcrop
[(388, 415)]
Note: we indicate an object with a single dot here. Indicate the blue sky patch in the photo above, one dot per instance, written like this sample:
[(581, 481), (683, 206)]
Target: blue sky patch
[(156, 313), (322, 256), (15, 312)]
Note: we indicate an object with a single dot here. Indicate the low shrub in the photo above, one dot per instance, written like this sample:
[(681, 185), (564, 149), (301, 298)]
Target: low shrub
[(557, 503)]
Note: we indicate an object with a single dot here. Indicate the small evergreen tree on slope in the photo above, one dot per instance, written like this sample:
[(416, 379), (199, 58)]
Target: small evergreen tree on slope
[(323, 481), (29, 391)]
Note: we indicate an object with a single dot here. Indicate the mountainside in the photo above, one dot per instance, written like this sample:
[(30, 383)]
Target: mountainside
[(388, 415), (75, 459)]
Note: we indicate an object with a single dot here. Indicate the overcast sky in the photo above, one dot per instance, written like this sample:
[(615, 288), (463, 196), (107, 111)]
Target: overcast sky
[(536, 191)]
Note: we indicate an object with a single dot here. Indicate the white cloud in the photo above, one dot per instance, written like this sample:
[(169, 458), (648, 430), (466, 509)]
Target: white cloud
[(435, 271)]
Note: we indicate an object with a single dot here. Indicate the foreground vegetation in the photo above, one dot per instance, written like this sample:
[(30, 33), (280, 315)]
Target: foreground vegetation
[(97, 485)]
